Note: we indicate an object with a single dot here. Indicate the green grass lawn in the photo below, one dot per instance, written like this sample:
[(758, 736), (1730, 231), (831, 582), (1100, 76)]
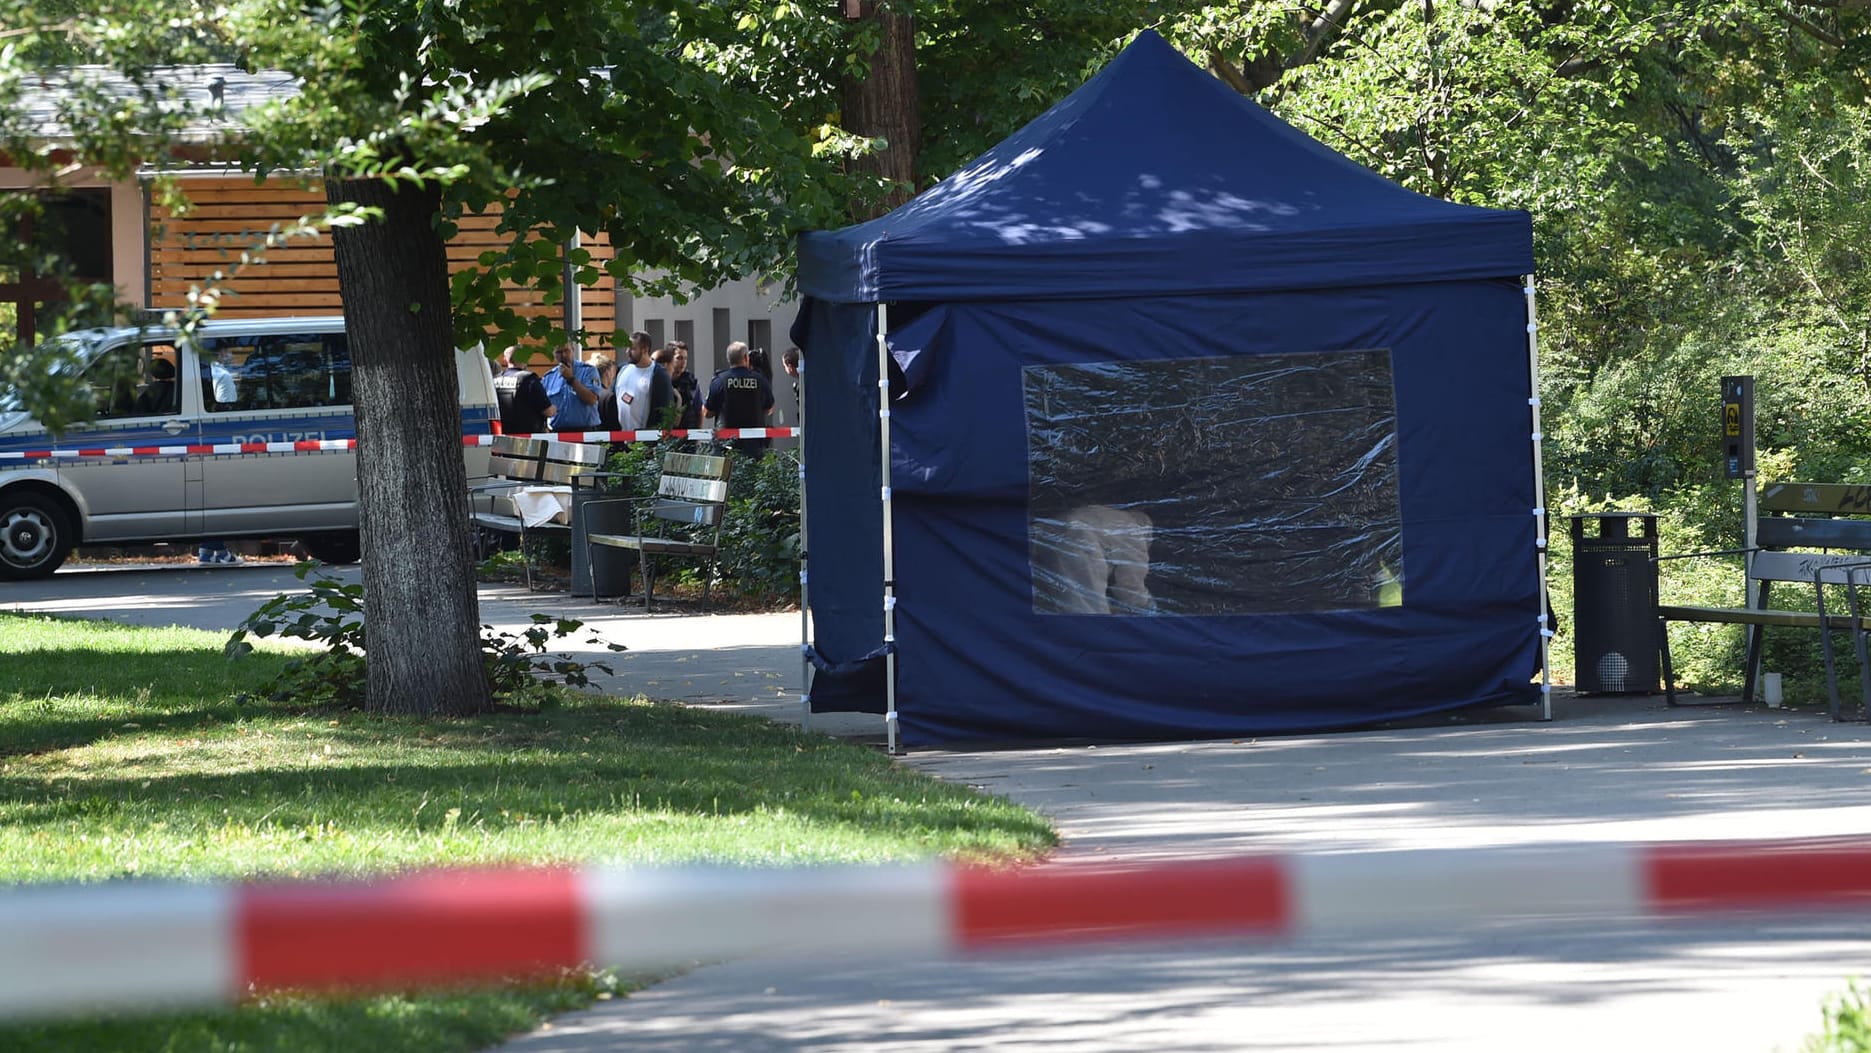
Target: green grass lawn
[(130, 752)]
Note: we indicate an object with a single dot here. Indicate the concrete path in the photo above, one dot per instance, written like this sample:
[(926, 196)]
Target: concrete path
[(1604, 769)]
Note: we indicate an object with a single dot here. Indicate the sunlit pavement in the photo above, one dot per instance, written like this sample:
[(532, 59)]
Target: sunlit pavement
[(1606, 769)]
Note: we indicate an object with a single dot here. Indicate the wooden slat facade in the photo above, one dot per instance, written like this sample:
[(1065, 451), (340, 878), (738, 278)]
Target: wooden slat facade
[(301, 277)]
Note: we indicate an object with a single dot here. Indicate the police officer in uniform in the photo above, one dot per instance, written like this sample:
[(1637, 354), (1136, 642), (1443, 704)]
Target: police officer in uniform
[(739, 397), (524, 405)]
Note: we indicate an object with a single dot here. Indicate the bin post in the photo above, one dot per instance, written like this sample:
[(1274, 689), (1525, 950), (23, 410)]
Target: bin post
[(1614, 603)]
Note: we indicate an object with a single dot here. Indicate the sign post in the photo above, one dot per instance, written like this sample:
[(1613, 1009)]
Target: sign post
[(1738, 463)]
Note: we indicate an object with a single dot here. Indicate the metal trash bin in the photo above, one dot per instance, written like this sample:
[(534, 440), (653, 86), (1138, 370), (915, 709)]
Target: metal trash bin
[(611, 566), (1614, 603)]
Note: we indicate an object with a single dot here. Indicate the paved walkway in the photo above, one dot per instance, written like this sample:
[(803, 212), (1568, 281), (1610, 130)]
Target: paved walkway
[(1623, 769), (1604, 769)]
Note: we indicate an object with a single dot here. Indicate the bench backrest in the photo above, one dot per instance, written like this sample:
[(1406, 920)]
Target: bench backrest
[(564, 460), (1813, 515), (515, 458), (693, 489), (1833, 568), (543, 460)]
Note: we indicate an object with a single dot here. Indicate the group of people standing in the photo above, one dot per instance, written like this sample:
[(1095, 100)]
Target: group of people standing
[(652, 390)]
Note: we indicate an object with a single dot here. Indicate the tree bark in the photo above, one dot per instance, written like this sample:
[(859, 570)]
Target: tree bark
[(421, 611), (886, 104), (1264, 71)]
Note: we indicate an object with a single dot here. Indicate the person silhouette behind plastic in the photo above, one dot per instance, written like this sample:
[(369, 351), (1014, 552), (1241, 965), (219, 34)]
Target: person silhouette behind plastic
[(1094, 559)]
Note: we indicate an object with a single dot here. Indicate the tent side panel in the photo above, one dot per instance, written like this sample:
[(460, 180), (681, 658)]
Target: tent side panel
[(1173, 677), (845, 524), (1442, 614)]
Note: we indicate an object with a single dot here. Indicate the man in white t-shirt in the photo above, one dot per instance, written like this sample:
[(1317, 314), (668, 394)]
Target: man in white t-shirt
[(633, 385), (226, 385), (226, 392)]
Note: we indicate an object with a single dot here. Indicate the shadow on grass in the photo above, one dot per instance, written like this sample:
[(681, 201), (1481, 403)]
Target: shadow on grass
[(174, 738), (62, 698), (590, 761), (108, 755)]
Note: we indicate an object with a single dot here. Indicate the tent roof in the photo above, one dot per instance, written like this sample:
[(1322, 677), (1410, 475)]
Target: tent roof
[(1154, 178)]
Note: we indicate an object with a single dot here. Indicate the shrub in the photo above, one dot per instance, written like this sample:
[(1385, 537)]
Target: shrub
[(331, 613), (1708, 657), (759, 553), (1847, 1023), (760, 533)]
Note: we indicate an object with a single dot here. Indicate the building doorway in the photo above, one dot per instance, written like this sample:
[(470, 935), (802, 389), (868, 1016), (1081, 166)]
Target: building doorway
[(72, 226)]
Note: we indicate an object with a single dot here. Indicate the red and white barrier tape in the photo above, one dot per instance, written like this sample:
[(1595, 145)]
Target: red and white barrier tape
[(330, 445), (71, 948), (198, 450), (698, 434)]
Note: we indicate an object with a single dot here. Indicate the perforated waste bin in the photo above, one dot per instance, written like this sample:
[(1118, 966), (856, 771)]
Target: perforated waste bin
[(1614, 602)]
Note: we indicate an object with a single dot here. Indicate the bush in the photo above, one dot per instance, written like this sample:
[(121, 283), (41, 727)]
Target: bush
[(760, 533), (642, 462), (1847, 1023), (331, 613), (759, 554), (1710, 658)]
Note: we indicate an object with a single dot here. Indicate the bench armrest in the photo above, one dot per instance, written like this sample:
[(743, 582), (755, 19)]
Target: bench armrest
[(1711, 552), (593, 480), (1854, 573), (636, 504)]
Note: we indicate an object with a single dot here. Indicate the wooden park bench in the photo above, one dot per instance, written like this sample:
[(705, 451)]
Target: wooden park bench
[(531, 488), (1802, 516), (682, 520)]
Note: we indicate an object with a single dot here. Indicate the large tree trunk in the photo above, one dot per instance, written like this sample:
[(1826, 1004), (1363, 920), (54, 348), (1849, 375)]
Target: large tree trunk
[(420, 608), (887, 105)]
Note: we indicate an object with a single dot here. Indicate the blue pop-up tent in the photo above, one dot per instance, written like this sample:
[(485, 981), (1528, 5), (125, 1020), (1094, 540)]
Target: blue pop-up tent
[(1194, 428)]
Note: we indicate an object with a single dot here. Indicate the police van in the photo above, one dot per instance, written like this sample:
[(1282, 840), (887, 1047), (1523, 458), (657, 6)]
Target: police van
[(259, 383)]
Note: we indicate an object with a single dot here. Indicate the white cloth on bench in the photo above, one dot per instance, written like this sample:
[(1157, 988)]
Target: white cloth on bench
[(539, 505)]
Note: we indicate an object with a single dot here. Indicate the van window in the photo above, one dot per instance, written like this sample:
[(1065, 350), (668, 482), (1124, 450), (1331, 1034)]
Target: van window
[(298, 371), (135, 380)]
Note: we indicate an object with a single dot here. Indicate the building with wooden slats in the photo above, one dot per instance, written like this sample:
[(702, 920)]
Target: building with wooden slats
[(229, 214), (117, 232)]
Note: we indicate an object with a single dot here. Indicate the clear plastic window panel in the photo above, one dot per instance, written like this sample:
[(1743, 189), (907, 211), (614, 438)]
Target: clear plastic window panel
[(1250, 484), (288, 372)]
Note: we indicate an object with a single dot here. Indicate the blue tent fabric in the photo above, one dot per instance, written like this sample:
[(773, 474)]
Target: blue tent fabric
[(1156, 178), (1279, 404)]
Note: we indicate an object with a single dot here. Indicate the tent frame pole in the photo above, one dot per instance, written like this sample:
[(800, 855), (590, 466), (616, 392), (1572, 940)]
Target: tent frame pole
[(1539, 499), (890, 577), (805, 616)]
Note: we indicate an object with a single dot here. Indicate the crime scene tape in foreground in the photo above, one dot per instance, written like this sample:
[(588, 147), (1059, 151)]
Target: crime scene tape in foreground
[(75, 948), (222, 449)]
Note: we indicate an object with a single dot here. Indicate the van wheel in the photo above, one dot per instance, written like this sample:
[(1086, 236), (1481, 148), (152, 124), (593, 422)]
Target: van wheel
[(332, 548), (35, 536)]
